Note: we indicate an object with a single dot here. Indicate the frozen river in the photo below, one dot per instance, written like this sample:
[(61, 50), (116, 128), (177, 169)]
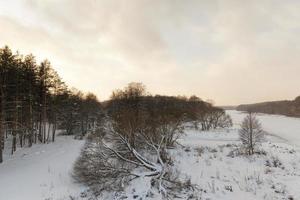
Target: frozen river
[(284, 127)]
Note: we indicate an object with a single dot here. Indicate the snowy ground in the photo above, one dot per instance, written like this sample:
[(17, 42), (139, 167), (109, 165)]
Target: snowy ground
[(210, 159), (41, 172)]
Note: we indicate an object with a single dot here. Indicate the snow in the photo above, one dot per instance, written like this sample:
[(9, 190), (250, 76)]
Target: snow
[(287, 128), (209, 158), (211, 166), (41, 172)]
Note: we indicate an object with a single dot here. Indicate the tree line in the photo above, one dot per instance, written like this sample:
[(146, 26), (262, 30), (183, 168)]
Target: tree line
[(134, 109), (287, 107), (35, 103)]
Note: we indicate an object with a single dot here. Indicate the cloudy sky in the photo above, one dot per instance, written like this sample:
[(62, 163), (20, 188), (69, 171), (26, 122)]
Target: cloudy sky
[(231, 51)]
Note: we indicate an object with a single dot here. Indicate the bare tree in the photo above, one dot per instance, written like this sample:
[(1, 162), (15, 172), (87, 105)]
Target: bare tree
[(224, 121), (109, 162), (251, 132)]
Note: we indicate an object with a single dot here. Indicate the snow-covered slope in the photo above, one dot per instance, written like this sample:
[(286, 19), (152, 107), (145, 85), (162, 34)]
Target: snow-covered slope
[(41, 172)]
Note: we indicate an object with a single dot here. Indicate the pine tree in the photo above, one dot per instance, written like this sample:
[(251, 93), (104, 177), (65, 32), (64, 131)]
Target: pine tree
[(35, 102)]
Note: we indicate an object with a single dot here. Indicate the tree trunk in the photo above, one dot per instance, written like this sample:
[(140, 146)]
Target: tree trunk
[(14, 133), (54, 130), (48, 132), (1, 154), (21, 140), (1, 124), (54, 127), (44, 132), (44, 117), (14, 144), (251, 136), (30, 136), (87, 124), (40, 136), (82, 127), (36, 132)]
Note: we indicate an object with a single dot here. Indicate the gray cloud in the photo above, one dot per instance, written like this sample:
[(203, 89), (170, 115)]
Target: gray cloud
[(230, 51)]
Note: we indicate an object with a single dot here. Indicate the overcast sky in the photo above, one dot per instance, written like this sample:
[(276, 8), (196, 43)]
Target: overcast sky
[(230, 51)]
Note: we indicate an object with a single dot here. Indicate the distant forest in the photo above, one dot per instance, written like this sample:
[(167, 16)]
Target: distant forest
[(286, 107)]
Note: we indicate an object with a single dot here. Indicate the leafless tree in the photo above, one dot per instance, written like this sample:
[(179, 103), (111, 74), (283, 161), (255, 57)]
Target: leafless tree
[(214, 118), (251, 132), (224, 121), (109, 162)]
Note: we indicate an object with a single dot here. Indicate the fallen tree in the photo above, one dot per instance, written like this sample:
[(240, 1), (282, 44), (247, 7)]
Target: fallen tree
[(109, 163)]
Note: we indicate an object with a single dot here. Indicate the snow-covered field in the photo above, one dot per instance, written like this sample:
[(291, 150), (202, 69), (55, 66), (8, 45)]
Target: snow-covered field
[(210, 159), (41, 172)]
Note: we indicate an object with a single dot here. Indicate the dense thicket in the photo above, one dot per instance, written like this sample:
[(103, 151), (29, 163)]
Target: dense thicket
[(134, 139), (134, 101), (35, 102), (135, 110), (288, 108)]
